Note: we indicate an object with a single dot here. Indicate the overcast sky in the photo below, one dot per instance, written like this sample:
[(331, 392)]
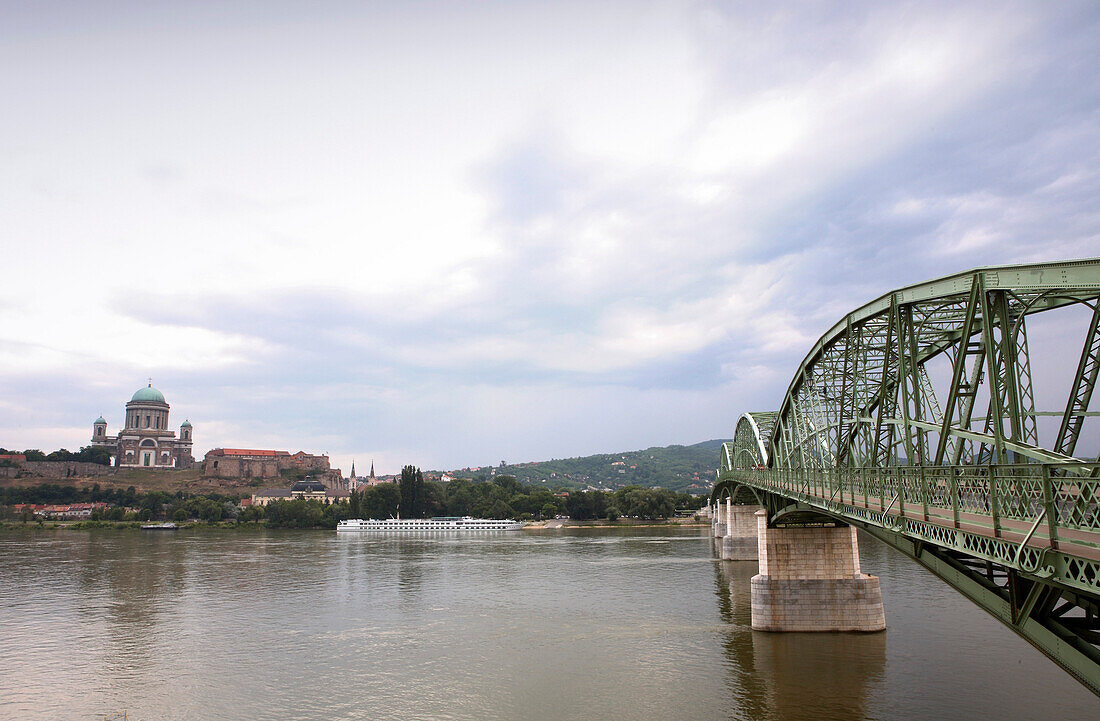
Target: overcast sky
[(449, 234)]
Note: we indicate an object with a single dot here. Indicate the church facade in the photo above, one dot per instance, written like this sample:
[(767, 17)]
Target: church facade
[(145, 440)]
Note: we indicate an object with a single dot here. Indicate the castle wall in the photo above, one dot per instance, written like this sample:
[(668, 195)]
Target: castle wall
[(55, 469), (230, 467)]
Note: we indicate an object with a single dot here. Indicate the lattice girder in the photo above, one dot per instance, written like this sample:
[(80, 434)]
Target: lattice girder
[(861, 436)]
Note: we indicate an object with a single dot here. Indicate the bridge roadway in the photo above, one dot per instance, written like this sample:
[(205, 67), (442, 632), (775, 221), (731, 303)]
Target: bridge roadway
[(989, 493)]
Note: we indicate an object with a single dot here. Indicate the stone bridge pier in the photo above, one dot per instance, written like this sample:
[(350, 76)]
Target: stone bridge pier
[(739, 543), (718, 520), (810, 580)]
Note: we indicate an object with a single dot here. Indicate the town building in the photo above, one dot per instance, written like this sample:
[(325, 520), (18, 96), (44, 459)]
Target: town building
[(63, 510), (357, 482), (307, 489), (145, 440)]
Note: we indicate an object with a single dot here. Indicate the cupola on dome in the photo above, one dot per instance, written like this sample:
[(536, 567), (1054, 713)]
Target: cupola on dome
[(148, 394)]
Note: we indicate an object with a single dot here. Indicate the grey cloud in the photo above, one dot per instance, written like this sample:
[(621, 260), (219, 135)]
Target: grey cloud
[(1017, 160)]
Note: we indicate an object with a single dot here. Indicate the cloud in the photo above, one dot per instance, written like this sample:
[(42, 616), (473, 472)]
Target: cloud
[(451, 233)]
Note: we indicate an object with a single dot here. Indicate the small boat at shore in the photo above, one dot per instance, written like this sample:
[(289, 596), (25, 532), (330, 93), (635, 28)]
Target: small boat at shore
[(421, 525), (166, 526)]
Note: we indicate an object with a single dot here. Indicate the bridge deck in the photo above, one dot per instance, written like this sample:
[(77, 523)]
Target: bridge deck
[(1026, 516)]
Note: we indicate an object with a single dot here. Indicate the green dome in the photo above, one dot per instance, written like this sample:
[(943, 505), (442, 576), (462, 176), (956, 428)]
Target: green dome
[(99, 420), (148, 394), (185, 424)]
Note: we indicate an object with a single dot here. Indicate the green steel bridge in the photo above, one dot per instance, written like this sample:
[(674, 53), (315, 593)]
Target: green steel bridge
[(915, 418)]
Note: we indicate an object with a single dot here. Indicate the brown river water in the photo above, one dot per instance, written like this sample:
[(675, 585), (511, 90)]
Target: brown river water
[(541, 625)]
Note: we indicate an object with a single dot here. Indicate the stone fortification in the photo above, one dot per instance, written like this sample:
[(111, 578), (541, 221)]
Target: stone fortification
[(55, 469), (258, 464)]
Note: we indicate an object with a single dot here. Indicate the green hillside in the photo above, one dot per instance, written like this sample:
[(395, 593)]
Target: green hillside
[(680, 468)]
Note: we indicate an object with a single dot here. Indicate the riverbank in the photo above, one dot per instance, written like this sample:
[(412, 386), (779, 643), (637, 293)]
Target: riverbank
[(125, 525), (254, 525), (621, 523)]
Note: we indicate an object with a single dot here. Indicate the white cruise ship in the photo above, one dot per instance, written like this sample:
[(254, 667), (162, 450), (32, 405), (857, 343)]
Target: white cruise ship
[(420, 525)]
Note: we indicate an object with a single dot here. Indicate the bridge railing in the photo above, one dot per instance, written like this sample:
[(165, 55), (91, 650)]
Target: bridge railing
[(1053, 501)]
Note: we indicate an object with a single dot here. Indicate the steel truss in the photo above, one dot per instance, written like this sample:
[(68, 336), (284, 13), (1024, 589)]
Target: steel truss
[(965, 486)]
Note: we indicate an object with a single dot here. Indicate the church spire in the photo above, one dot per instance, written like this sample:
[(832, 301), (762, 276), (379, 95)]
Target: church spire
[(372, 468), (353, 468)]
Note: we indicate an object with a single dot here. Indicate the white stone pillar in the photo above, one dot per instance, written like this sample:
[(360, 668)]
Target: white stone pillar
[(740, 542), (719, 520)]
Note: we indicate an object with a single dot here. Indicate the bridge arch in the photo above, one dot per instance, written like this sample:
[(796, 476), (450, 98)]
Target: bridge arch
[(738, 493), (864, 396), (915, 417)]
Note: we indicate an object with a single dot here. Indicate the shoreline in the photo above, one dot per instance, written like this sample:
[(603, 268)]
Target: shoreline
[(254, 526)]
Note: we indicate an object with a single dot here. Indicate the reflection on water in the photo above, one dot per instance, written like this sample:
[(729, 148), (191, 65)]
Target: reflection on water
[(780, 675), (574, 624)]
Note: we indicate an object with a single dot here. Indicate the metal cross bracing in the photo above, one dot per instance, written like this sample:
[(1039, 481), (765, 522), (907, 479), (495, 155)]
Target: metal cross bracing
[(914, 418)]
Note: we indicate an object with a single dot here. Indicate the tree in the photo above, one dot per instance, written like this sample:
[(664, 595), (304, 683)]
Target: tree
[(252, 513), (500, 509), (613, 514), (60, 455), (211, 512), (180, 515), (94, 454), (581, 506), (509, 484), (380, 501), (413, 501)]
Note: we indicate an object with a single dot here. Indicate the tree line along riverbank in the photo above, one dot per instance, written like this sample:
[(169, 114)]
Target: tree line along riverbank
[(411, 497)]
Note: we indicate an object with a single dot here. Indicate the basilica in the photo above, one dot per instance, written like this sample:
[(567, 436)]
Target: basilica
[(145, 441)]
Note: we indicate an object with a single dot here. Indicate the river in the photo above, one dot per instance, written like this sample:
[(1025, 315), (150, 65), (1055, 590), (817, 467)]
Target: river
[(545, 625)]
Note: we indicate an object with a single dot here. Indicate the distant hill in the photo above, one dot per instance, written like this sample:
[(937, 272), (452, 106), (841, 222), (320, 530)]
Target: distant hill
[(680, 468)]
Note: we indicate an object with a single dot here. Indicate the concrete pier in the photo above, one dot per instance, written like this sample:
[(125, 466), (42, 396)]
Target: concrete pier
[(718, 525), (740, 542), (810, 580)]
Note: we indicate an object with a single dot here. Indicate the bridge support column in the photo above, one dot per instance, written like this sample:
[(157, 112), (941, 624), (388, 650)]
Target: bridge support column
[(719, 523), (740, 542), (810, 580)]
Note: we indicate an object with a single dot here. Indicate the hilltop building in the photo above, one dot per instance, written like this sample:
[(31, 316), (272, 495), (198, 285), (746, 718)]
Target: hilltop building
[(146, 441), (261, 463)]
